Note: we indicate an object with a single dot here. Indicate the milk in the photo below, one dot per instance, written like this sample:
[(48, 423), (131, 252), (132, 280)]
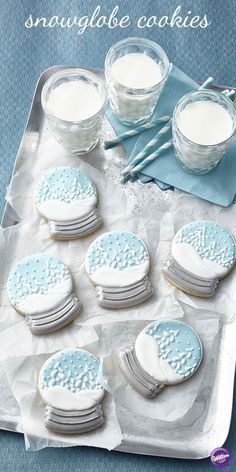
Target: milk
[(74, 100), (205, 122), (202, 131), (136, 70), (135, 84)]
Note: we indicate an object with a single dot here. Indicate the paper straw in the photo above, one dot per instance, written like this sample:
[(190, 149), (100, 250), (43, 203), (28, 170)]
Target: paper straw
[(152, 157), (229, 93), (225, 92), (152, 144), (110, 143)]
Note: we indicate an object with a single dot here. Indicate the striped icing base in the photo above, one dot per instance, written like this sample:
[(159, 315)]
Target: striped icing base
[(48, 322), (73, 421), (187, 281), (124, 297), (75, 228), (146, 385)]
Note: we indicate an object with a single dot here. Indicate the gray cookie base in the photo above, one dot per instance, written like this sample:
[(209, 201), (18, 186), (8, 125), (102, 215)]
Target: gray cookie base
[(124, 297), (188, 282), (146, 385), (75, 228), (48, 322), (73, 421)]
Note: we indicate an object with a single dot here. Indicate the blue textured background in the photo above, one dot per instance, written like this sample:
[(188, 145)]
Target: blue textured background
[(25, 53)]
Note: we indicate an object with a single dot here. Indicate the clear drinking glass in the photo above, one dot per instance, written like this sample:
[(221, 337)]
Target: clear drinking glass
[(135, 105), (78, 137), (200, 158)]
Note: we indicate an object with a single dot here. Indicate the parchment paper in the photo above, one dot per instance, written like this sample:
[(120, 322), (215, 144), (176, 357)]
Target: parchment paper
[(31, 235), (174, 401), (184, 209), (22, 375), (171, 405), (154, 216)]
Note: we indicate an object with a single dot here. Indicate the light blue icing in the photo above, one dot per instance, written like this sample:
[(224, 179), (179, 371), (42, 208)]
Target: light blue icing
[(211, 241), (35, 274), (178, 344), (117, 249), (73, 369), (65, 184)]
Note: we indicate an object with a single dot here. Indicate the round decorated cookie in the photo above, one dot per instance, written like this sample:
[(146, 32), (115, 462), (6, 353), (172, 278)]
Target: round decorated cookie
[(166, 352), (117, 263), (69, 386), (67, 198), (202, 252), (41, 288), (169, 351)]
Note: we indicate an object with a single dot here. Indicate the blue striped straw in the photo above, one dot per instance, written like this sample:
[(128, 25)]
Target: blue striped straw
[(152, 157), (152, 144), (110, 143), (229, 93), (165, 146)]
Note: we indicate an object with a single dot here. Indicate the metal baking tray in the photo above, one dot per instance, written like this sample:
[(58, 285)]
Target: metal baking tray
[(203, 427)]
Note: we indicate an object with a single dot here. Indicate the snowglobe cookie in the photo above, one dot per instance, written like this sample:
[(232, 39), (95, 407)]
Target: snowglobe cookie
[(166, 352), (118, 263), (202, 253), (41, 288), (69, 386), (67, 198)]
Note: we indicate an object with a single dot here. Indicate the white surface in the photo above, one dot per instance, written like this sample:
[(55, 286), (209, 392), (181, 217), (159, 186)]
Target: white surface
[(146, 349), (41, 303), (186, 256), (61, 211), (205, 122), (74, 100), (61, 398), (109, 277), (136, 70)]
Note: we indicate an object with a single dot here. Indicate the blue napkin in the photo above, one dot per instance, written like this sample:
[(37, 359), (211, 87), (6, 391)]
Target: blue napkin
[(218, 186)]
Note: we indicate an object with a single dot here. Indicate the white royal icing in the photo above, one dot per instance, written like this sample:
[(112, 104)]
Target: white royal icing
[(169, 351), (204, 249), (147, 352), (39, 283), (61, 398), (65, 194), (117, 259), (38, 303), (109, 277), (61, 211), (68, 380)]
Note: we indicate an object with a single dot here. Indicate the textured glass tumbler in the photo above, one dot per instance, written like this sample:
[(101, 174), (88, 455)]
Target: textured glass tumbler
[(200, 158), (78, 137), (135, 105)]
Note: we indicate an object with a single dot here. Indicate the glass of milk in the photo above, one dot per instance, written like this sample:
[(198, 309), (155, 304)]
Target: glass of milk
[(136, 70), (203, 127), (74, 102)]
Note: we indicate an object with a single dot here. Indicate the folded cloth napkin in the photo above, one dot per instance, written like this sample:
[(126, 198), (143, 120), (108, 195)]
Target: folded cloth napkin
[(218, 186)]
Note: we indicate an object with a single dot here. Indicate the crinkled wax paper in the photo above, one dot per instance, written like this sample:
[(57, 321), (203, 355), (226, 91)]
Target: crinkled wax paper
[(184, 209), (15, 335), (171, 406), (22, 374), (155, 216), (174, 401), (31, 235)]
